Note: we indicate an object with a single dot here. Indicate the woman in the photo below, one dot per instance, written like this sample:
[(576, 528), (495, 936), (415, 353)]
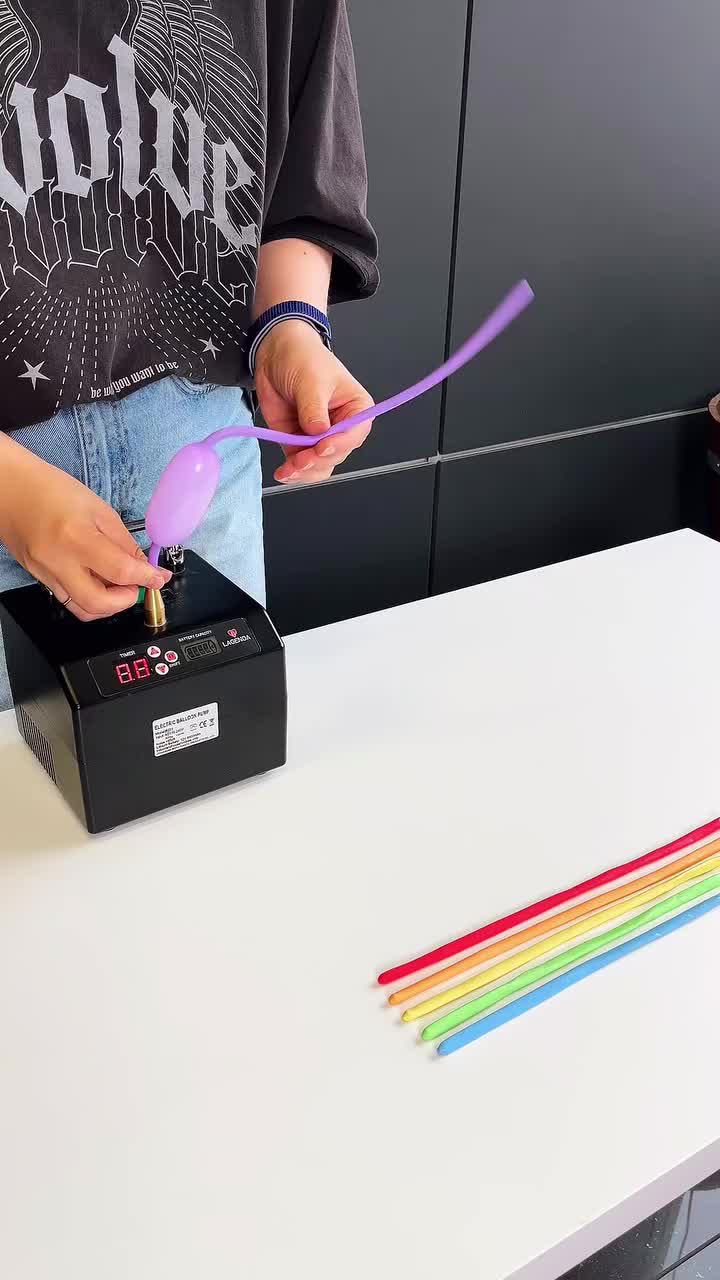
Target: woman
[(183, 190)]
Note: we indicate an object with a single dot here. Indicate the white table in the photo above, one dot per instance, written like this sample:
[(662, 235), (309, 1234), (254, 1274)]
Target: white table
[(198, 1077)]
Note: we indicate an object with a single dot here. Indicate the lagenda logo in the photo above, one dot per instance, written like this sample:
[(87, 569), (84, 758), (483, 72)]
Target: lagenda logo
[(235, 638)]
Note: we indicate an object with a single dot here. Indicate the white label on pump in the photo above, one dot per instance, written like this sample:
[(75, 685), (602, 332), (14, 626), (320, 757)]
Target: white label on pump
[(186, 729)]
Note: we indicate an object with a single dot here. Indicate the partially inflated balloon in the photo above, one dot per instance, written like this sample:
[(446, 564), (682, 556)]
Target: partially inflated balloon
[(187, 486), (183, 494)]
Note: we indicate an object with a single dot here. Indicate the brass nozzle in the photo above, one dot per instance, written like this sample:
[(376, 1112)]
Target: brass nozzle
[(154, 609)]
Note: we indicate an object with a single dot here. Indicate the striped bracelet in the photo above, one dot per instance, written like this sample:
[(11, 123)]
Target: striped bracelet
[(261, 327)]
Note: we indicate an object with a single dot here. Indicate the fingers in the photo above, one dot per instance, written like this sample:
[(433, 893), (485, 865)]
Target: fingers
[(314, 473), (80, 549), (94, 599), (320, 391), (314, 464), (88, 597), (80, 613), (141, 573), (119, 566), (312, 400), (64, 598), (108, 522)]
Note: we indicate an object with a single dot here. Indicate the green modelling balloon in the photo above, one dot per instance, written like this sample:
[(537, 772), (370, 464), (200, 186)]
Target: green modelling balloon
[(542, 971)]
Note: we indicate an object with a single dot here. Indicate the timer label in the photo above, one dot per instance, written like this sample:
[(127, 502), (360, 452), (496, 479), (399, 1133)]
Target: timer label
[(186, 729)]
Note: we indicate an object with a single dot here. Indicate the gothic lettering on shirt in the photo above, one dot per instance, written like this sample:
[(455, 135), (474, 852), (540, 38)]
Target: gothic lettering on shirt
[(161, 159)]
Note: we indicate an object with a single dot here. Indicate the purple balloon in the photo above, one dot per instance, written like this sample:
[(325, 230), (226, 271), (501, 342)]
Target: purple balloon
[(509, 309), (183, 494), (187, 486)]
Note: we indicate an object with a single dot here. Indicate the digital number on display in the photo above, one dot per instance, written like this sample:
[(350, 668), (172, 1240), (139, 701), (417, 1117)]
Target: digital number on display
[(128, 674)]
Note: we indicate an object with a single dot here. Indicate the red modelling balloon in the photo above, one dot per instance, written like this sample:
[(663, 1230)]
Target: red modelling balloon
[(525, 914)]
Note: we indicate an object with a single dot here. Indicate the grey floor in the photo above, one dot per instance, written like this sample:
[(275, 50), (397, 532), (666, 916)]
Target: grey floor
[(681, 1242)]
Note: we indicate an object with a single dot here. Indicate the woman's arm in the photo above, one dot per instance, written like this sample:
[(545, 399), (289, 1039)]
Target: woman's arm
[(301, 386), (290, 271)]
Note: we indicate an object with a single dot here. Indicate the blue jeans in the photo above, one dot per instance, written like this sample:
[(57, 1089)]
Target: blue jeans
[(119, 448)]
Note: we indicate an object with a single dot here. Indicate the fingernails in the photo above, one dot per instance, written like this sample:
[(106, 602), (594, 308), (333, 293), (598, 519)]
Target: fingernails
[(297, 469), (293, 472), (158, 581)]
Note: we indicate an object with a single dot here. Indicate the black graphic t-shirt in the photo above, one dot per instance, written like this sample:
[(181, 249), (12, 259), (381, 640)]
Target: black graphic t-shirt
[(147, 148)]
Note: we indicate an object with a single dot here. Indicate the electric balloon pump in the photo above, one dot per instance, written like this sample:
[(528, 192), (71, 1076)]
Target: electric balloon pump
[(186, 693)]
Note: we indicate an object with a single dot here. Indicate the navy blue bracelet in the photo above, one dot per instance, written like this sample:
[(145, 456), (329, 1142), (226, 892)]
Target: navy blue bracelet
[(261, 327)]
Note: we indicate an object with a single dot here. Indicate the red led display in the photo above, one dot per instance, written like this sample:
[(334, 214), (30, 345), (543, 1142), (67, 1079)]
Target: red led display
[(126, 674)]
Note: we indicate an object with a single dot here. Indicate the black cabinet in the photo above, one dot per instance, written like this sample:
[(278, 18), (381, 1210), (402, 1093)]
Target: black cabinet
[(515, 509), (349, 548), (410, 64), (589, 167)]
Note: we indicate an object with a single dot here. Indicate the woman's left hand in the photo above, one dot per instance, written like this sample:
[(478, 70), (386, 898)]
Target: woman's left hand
[(303, 387)]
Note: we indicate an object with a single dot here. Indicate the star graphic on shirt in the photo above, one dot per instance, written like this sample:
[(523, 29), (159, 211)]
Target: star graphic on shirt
[(33, 373), (209, 346)]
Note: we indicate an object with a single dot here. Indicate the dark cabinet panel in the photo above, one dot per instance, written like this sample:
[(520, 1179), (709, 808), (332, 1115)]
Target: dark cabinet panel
[(673, 1236), (410, 78), (704, 1266), (589, 167), (349, 548), (516, 509)]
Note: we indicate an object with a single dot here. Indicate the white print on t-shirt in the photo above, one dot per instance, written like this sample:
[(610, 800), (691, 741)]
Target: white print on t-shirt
[(119, 385), (183, 95)]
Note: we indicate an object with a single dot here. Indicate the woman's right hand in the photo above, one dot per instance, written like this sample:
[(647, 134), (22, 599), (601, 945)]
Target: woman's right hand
[(68, 538)]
